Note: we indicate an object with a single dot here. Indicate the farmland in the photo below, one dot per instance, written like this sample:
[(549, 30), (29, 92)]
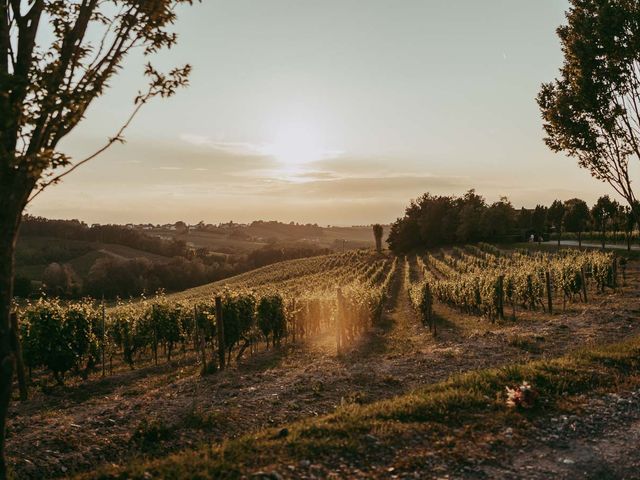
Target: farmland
[(165, 405)]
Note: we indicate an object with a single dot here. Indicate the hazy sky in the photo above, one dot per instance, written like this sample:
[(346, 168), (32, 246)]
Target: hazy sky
[(334, 111)]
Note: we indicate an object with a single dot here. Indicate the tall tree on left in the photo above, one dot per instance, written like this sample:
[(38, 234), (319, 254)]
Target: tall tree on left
[(56, 57)]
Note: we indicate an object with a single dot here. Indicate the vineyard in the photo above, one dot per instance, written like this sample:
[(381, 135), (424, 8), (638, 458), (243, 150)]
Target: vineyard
[(288, 302), (481, 280), (296, 300), (132, 377)]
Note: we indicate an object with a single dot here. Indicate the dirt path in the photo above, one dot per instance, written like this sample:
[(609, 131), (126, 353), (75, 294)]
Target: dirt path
[(599, 443), (155, 410)]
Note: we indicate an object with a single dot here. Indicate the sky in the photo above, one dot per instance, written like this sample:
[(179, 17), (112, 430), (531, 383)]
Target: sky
[(335, 112)]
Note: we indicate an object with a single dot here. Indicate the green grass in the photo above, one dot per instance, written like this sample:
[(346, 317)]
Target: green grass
[(475, 400)]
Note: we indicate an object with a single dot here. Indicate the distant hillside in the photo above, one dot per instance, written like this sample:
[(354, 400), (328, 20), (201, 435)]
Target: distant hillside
[(234, 238), (71, 258)]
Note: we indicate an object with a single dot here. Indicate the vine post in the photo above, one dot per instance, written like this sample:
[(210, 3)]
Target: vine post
[(154, 319), (200, 340), (547, 277), (339, 314), (220, 332), (500, 292), (103, 339), (583, 277), (294, 319)]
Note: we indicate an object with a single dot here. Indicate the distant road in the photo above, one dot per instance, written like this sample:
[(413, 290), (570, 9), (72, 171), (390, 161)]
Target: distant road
[(574, 243)]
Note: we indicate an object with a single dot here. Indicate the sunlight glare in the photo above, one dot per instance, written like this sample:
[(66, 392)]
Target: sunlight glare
[(296, 145)]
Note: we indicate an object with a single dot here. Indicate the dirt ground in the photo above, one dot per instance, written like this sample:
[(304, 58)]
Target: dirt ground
[(155, 410)]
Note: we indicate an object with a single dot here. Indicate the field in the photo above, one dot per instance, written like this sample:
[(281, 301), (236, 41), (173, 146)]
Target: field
[(392, 378), (245, 239), (81, 255)]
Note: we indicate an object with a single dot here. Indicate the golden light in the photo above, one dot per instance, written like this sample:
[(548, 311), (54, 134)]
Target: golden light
[(296, 145)]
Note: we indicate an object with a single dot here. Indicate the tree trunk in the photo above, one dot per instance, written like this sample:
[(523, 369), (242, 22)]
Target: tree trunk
[(579, 239), (603, 237), (559, 236), (9, 222), (15, 187), (17, 351)]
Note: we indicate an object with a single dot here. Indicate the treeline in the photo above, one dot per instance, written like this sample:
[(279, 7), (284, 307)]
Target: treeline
[(118, 234), (112, 277), (433, 221), (277, 252)]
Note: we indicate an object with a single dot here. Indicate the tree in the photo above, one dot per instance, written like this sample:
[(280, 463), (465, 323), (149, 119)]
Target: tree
[(602, 212), (525, 219), (592, 112), (60, 280), (539, 221), (555, 216), (405, 232), (577, 217), (498, 220), (45, 91), (469, 228), (181, 227), (378, 231), (627, 220)]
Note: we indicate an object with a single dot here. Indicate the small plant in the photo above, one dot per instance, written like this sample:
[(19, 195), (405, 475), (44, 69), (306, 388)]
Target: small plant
[(199, 419), (150, 432), (523, 396)]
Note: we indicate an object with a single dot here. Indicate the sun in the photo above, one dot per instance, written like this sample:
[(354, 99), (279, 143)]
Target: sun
[(296, 145)]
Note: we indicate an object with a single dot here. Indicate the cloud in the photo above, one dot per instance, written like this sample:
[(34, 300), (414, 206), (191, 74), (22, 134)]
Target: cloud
[(274, 150), (355, 187), (237, 148)]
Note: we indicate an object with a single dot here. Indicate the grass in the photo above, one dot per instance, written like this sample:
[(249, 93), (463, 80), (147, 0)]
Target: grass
[(441, 416), (528, 343)]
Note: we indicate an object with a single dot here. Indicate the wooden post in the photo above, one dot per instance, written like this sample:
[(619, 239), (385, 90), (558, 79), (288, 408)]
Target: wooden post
[(584, 284), (155, 334), (220, 332), (294, 315), (339, 321), (547, 276), (17, 351), (103, 338), (196, 336), (532, 301), (200, 340), (500, 293)]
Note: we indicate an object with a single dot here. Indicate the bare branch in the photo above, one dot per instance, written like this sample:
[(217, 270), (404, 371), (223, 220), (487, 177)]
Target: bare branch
[(116, 138)]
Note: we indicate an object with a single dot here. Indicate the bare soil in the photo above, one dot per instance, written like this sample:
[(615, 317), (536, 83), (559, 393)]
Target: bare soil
[(155, 410)]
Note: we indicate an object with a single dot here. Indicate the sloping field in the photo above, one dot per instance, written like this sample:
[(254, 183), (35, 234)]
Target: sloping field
[(35, 253), (292, 276)]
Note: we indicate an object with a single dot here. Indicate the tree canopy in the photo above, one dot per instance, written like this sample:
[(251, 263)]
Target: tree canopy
[(592, 111), (432, 221)]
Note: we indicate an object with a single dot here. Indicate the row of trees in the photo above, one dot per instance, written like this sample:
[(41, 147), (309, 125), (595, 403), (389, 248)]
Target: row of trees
[(118, 234), (432, 221), (605, 215), (113, 277)]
